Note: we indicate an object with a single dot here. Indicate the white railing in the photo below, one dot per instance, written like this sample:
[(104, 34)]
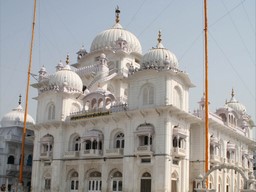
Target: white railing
[(114, 152)]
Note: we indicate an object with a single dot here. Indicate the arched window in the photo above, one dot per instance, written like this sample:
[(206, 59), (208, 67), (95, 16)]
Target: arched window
[(148, 95), (93, 103), (211, 182), (46, 145), (100, 103), (242, 184), (219, 185), (94, 182), (117, 184), (235, 186), (88, 144), (177, 97), (51, 112), (223, 117), (174, 182), (29, 160), (227, 184), (119, 141), (145, 182), (75, 108), (175, 142), (145, 140), (10, 160), (74, 183), (47, 182), (179, 142), (93, 140), (77, 144), (29, 186)]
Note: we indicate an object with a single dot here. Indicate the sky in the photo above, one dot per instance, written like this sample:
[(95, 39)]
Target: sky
[(64, 26)]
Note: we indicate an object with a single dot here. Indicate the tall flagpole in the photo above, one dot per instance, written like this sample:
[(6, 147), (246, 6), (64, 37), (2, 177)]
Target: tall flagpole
[(27, 94), (206, 88)]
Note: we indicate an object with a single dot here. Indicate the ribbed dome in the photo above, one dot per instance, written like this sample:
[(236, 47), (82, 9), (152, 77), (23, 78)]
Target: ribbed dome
[(235, 105), (159, 56), (16, 118), (67, 77), (108, 38)]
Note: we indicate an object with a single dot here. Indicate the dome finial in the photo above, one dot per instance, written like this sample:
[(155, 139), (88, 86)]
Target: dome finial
[(67, 59), (19, 99), (117, 14), (159, 39), (232, 93)]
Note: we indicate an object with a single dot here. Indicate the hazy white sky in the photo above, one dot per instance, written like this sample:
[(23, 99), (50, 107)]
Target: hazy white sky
[(63, 26)]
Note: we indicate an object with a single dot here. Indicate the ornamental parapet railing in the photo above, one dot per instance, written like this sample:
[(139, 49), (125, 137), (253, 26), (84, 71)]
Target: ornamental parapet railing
[(92, 113)]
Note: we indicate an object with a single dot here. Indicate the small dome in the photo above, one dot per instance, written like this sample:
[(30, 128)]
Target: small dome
[(108, 38), (59, 66), (235, 105), (16, 118), (66, 77), (159, 56)]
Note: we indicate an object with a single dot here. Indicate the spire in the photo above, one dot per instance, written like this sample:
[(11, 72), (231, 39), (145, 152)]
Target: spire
[(67, 59), (232, 93), (117, 14), (159, 39), (19, 99)]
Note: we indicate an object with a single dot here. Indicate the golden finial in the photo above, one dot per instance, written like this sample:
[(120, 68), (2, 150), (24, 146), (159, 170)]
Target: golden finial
[(232, 93), (67, 59), (19, 99), (117, 14), (159, 39)]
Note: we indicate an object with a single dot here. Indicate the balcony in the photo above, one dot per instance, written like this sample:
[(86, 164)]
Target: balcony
[(239, 164), (46, 155), (71, 154), (215, 158), (13, 169), (179, 131), (13, 138), (144, 150), (179, 152), (114, 152), (231, 161), (91, 153), (231, 147)]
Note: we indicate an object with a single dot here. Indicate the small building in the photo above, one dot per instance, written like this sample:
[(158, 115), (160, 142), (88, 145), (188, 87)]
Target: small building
[(11, 132)]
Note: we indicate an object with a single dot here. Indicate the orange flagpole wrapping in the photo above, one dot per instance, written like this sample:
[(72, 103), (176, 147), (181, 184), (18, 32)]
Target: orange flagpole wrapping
[(27, 93)]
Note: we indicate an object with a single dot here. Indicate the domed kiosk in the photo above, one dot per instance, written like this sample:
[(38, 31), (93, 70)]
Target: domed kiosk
[(16, 117), (235, 105), (65, 77), (159, 56)]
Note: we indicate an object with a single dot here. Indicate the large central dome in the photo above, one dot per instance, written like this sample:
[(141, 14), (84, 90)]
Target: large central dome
[(107, 39)]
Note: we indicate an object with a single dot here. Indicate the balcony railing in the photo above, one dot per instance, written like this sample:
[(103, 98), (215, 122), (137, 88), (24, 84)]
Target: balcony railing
[(215, 158), (179, 152), (144, 150), (231, 161), (71, 154), (92, 153), (15, 167), (46, 155), (114, 152)]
